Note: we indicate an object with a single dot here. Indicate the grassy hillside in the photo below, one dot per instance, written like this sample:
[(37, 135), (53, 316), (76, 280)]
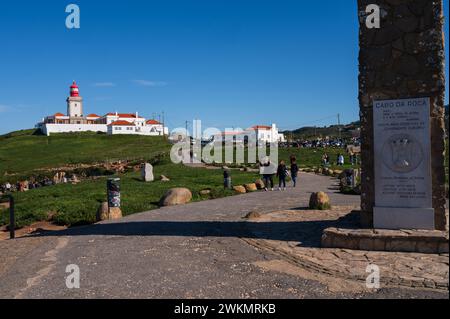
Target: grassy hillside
[(309, 132), (22, 152)]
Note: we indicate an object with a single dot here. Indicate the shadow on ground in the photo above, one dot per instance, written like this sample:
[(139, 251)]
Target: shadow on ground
[(307, 233)]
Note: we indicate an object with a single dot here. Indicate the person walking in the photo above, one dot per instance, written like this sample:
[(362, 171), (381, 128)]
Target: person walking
[(281, 174), (294, 172), (266, 171), (341, 160)]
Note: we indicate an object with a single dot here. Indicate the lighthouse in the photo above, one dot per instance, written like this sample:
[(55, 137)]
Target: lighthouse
[(74, 103)]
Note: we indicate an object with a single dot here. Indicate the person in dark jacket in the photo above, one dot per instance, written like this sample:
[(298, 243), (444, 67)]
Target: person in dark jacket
[(281, 174), (294, 172)]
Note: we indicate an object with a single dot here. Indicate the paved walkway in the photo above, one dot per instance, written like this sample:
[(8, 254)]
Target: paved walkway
[(192, 251)]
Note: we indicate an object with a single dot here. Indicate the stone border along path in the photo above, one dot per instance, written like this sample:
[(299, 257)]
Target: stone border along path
[(189, 251), (412, 270)]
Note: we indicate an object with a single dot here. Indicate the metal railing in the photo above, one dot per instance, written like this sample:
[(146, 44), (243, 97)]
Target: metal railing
[(12, 220)]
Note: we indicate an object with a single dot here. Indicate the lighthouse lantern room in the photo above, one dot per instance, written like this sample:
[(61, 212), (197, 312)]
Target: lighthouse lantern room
[(74, 102)]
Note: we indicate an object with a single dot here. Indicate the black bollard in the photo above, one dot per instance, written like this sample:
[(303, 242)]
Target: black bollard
[(113, 191)]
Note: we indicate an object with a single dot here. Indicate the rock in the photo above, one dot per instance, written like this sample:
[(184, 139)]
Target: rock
[(105, 213), (251, 187), (147, 173), (75, 179), (240, 189), (252, 215), (330, 172), (176, 196), (115, 213), (205, 192), (319, 201), (163, 178), (260, 184)]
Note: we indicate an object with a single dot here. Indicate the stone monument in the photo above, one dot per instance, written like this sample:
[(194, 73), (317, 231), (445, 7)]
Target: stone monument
[(401, 94), (147, 173)]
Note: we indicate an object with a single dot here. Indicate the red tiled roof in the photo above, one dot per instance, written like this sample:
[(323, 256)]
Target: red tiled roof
[(58, 114), (124, 115), (260, 127), (153, 122), (121, 123), (93, 115), (231, 133)]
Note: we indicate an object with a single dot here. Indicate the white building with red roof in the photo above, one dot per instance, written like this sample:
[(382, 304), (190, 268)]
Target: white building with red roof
[(257, 133), (110, 123)]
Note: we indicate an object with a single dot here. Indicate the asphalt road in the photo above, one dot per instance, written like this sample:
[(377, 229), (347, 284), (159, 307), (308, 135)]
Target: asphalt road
[(190, 251)]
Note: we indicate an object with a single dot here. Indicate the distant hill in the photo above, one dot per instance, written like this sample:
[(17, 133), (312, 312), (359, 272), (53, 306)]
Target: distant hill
[(24, 152), (331, 131)]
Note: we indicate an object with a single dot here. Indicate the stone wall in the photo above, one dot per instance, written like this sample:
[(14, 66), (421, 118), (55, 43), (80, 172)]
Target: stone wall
[(424, 242), (403, 59)]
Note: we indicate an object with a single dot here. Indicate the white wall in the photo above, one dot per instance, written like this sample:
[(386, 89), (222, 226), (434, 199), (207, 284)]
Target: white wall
[(48, 129), (120, 129), (71, 128)]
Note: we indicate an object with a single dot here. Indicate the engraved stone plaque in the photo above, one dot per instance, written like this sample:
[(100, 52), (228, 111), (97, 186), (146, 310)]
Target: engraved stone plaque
[(402, 150)]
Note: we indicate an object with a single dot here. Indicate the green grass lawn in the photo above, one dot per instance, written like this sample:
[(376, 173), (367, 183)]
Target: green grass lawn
[(77, 204), (22, 152)]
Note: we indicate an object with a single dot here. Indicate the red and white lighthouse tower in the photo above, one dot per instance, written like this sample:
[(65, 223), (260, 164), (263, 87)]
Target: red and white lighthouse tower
[(74, 102)]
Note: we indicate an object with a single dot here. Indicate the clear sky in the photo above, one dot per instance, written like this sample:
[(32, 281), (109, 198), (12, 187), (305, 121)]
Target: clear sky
[(230, 63)]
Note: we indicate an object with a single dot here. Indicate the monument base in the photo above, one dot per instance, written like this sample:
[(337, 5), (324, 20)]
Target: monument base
[(416, 241), (403, 218)]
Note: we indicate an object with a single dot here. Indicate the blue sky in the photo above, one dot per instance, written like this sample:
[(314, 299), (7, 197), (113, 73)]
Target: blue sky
[(230, 63)]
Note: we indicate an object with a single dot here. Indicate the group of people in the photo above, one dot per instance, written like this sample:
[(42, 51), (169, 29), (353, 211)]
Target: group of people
[(340, 160), (268, 171), (282, 173)]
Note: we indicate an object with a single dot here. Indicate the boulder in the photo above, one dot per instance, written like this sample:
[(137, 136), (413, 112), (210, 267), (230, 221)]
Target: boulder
[(75, 179), (338, 172), (260, 184), (147, 173), (205, 192), (240, 189), (319, 201), (115, 213), (176, 196), (106, 213), (163, 178), (330, 172), (251, 187)]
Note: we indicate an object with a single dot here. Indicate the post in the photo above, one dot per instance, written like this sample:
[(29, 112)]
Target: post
[(12, 220)]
